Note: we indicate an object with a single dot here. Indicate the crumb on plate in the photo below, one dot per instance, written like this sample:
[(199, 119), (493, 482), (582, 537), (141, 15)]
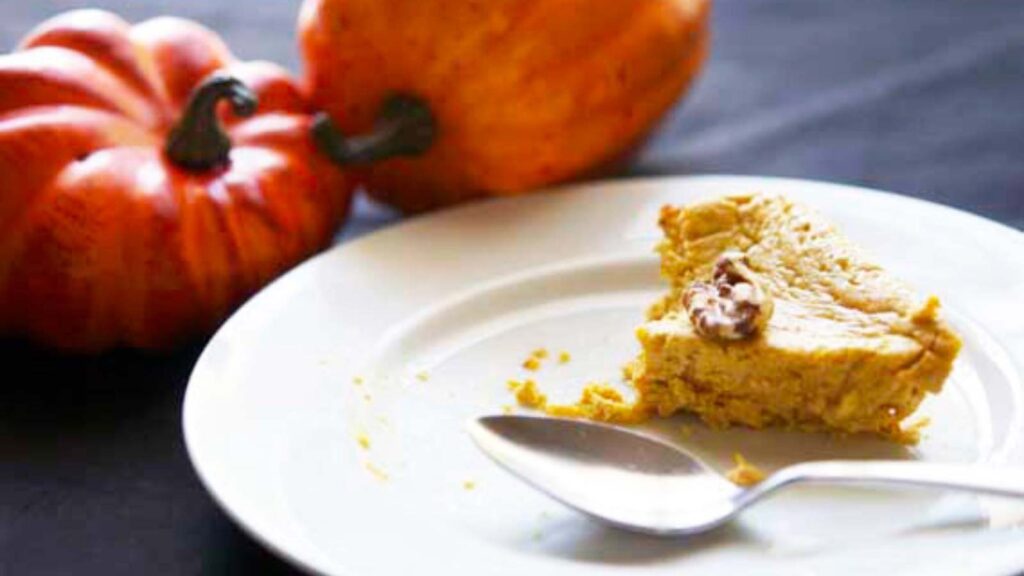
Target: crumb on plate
[(527, 394), (363, 440), (377, 472), (468, 485), (744, 473), (564, 357), (422, 376), (913, 430), (533, 361)]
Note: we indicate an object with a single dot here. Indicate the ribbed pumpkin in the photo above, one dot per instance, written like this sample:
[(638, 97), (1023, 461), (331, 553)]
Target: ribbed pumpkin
[(143, 191), (481, 98)]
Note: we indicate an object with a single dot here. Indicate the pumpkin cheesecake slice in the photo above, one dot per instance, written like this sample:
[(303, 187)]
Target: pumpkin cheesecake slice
[(775, 319)]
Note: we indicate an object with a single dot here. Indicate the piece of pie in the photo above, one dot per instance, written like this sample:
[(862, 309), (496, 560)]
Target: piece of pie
[(775, 319)]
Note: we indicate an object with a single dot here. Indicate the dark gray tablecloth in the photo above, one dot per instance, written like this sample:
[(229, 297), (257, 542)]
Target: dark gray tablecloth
[(920, 97)]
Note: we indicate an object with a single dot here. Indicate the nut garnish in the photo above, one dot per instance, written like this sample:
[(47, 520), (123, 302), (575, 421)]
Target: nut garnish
[(733, 306)]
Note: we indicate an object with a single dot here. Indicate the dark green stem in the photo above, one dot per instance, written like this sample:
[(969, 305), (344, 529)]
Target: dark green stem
[(405, 126), (198, 141)]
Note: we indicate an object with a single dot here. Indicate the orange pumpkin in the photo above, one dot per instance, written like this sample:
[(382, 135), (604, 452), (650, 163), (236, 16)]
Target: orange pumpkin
[(494, 97), (137, 207)]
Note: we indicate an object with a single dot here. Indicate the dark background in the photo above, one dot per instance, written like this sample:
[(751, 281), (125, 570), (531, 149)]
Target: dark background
[(920, 97)]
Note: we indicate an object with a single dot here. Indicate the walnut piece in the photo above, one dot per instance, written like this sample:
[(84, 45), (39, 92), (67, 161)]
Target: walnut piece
[(733, 306)]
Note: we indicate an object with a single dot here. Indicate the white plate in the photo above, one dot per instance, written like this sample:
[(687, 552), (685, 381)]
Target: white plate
[(272, 413)]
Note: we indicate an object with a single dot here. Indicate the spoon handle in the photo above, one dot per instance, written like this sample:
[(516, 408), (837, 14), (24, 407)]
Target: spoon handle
[(983, 478)]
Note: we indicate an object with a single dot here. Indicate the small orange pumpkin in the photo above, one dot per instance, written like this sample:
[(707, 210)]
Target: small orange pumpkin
[(493, 97), (137, 207)]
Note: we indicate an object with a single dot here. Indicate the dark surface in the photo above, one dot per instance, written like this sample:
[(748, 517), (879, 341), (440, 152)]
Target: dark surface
[(922, 97)]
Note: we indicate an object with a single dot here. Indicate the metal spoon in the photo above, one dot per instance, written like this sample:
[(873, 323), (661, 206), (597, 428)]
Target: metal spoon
[(645, 485)]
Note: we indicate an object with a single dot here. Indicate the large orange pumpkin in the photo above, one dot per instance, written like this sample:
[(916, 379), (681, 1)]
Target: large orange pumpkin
[(137, 207), (490, 97)]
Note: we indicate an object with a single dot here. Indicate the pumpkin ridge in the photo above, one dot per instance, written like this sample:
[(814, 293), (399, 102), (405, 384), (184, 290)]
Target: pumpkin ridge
[(195, 230), (242, 229), (248, 191), (183, 54), (285, 135), (224, 218), (259, 165), (104, 38), (120, 275), (163, 264), (67, 133), (13, 246), (51, 75)]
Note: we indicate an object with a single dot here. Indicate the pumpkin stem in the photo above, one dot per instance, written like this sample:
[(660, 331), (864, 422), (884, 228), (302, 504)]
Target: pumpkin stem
[(198, 141), (405, 126)]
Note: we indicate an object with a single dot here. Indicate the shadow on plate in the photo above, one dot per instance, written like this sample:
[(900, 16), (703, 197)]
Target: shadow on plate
[(580, 539)]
